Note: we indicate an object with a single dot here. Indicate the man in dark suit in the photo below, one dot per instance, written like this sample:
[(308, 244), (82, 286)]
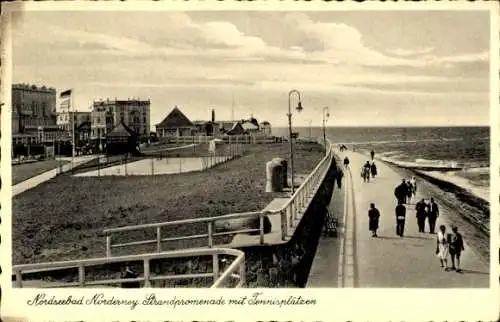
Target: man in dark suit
[(432, 215), (400, 219)]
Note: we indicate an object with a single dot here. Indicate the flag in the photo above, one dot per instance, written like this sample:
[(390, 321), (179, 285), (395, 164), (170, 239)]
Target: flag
[(65, 94), (65, 99)]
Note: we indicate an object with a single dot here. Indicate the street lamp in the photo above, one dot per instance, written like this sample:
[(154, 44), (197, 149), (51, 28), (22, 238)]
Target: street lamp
[(298, 108), (310, 135), (326, 115)]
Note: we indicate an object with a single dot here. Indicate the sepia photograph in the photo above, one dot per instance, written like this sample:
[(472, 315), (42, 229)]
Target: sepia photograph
[(250, 149)]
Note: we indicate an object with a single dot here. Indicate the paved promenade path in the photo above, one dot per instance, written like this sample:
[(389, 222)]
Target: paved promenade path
[(389, 260), (36, 180)]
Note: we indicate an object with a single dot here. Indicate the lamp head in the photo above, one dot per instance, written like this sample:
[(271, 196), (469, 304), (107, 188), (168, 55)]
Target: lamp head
[(327, 115), (299, 107)]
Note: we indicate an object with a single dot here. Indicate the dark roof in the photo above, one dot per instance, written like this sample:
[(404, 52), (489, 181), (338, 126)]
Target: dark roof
[(236, 129), (175, 119), (121, 130)]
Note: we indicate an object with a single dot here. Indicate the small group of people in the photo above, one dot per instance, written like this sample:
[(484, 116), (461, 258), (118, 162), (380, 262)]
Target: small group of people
[(368, 169), (406, 190), (449, 244)]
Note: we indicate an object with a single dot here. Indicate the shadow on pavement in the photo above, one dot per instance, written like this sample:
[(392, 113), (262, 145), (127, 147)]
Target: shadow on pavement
[(469, 271), (418, 237)]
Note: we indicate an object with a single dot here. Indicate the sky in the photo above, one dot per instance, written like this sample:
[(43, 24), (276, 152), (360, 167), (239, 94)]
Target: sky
[(369, 68)]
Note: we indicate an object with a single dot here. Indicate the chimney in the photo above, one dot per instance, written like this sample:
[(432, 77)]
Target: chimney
[(213, 116)]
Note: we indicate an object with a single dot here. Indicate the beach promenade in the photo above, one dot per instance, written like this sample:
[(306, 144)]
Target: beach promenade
[(356, 259)]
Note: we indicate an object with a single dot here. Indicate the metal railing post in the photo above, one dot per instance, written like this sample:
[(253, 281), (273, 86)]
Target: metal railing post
[(19, 279), (147, 281), (243, 271), (210, 233), (108, 245), (284, 228), (261, 227), (215, 265), (81, 275), (158, 239)]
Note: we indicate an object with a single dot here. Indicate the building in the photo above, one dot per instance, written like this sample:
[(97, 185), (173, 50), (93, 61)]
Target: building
[(65, 119), (265, 128), (107, 114), (176, 124), (32, 106), (122, 139)]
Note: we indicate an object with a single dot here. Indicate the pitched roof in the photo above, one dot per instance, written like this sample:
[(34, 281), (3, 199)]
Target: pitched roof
[(236, 129), (249, 126), (175, 119), (121, 130)]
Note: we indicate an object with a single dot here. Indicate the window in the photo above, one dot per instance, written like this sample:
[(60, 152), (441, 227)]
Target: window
[(44, 106), (145, 119)]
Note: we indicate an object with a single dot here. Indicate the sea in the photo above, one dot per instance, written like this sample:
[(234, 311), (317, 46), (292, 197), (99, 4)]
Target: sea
[(422, 146)]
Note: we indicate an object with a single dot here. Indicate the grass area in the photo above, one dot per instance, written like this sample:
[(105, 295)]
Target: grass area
[(63, 218), (24, 171)]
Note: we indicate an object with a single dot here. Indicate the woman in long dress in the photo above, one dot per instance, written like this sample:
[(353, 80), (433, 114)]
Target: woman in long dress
[(442, 247)]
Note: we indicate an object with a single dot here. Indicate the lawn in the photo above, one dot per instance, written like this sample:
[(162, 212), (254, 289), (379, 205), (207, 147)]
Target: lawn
[(21, 172), (63, 218)]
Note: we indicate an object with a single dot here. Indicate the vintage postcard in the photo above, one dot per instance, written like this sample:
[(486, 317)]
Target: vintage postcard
[(296, 160)]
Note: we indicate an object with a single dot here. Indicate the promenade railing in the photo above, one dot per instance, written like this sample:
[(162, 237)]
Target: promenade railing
[(289, 213), (232, 275)]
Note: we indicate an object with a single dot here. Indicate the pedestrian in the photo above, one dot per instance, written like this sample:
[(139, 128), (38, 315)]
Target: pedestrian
[(400, 219), (373, 217), (373, 169), (421, 215), (456, 247), (413, 182), (409, 192), (401, 192), (346, 162), (432, 215), (372, 154), (442, 247), (366, 171)]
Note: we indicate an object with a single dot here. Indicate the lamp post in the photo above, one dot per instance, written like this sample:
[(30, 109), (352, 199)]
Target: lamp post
[(310, 135), (326, 115), (299, 108)]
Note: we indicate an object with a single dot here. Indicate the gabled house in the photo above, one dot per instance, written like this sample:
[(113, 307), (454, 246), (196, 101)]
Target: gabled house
[(237, 129), (121, 140), (175, 124)]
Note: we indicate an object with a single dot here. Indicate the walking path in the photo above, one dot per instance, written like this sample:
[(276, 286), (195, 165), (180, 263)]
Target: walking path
[(389, 260), (36, 180)]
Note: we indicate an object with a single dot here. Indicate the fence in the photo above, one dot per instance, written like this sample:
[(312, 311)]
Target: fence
[(238, 139), (221, 277), (288, 213), (160, 163)]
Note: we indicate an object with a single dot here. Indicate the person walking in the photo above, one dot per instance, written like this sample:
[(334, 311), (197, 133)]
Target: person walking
[(400, 219), (442, 247), (413, 182), (432, 215), (421, 215), (366, 171), (401, 192), (373, 218), (373, 169), (409, 192), (456, 247), (372, 154), (346, 162)]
